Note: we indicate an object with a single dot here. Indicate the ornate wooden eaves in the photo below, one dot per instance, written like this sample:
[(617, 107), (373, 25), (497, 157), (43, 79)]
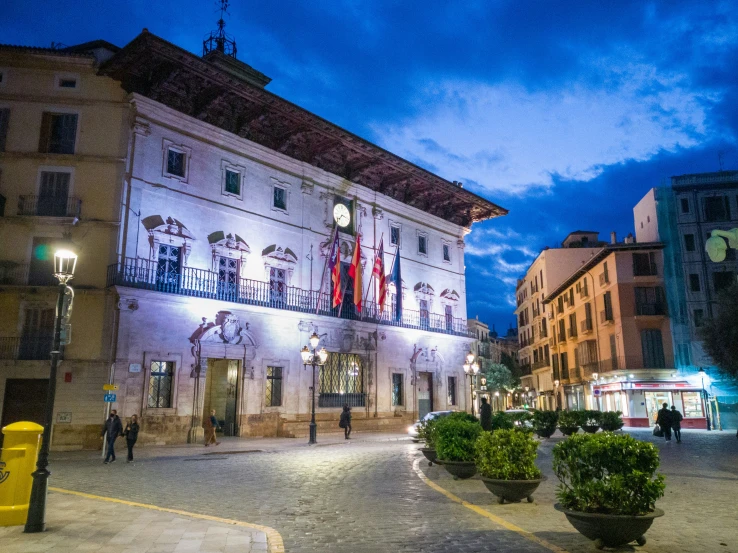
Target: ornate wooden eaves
[(159, 70)]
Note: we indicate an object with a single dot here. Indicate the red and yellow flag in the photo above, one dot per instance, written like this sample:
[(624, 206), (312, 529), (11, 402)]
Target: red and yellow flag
[(355, 273)]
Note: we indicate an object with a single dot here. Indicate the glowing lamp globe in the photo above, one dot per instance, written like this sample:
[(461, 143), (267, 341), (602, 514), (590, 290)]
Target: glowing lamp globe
[(716, 248), (65, 262), (305, 353), (314, 340), (323, 356)]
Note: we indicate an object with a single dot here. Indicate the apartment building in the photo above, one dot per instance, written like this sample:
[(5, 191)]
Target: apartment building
[(546, 272), (611, 346)]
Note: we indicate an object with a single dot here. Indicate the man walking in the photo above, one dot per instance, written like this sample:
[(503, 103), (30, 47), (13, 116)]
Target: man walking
[(664, 421), (345, 422), (210, 430), (676, 423), (111, 430), (485, 415)]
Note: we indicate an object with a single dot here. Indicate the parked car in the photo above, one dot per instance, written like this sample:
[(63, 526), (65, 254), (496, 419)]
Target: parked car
[(413, 429), (526, 423)]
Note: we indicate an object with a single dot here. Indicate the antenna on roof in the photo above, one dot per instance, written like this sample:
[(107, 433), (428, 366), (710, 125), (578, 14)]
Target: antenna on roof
[(219, 40)]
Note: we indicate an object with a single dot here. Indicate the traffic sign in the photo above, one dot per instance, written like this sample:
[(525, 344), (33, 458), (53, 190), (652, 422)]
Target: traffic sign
[(109, 398), (108, 387)]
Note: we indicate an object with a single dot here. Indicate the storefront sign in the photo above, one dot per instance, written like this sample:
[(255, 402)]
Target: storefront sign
[(134, 368)]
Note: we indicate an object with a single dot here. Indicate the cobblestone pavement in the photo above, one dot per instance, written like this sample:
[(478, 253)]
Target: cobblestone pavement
[(76, 524), (364, 497)]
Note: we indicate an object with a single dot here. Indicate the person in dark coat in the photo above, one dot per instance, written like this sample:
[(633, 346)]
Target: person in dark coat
[(131, 434), (111, 430), (345, 421), (676, 423), (664, 421), (485, 415)]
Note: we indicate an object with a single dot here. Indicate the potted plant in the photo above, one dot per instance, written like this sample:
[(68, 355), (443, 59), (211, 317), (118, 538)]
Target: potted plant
[(569, 422), (609, 486), (544, 423), (426, 432), (590, 421), (611, 421), (506, 459), (502, 421), (455, 439)]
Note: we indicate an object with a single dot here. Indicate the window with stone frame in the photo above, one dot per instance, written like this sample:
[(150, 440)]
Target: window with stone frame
[(58, 133), (176, 163), (447, 253), (233, 182), (398, 390), (395, 235), (280, 198), (161, 385), (273, 386), (423, 244)]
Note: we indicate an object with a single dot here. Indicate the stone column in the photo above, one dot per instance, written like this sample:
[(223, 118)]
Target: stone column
[(197, 433)]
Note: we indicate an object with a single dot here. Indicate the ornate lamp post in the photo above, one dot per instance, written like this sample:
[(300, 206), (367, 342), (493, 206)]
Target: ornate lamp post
[(315, 358), (65, 261), (471, 368), (558, 399)]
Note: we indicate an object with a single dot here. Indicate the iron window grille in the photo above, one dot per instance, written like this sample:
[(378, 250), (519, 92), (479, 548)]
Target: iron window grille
[(274, 387), (280, 198), (175, 163), (395, 235), (341, 381), (446, 253), (160, 384)]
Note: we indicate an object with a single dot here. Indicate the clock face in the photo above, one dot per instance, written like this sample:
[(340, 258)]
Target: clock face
[(341, 215)]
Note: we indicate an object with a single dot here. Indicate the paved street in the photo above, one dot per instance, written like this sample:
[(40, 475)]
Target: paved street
[(364, 496)]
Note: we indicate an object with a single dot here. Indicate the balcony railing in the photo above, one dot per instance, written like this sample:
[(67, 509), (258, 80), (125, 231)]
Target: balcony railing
[(525, 370), (650, 309), (27, 348), (49, 206), (540, 364), (586, 326), (201, 283), (13, 273)]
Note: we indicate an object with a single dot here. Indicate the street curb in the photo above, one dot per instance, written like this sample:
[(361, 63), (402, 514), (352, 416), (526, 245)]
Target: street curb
[(275, 544), (494, 518)]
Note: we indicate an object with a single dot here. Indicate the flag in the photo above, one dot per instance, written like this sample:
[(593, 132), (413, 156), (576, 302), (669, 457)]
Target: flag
[(378, 273), (355, 273), (396, 277), (334, 263)]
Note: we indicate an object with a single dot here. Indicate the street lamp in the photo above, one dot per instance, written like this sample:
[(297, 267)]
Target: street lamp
[(314, 358), (703, 374), (558, 399), (65, 262), (471, 368)]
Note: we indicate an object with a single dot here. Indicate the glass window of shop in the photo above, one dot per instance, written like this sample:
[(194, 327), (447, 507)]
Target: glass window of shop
[(692, 405), (654, 402)]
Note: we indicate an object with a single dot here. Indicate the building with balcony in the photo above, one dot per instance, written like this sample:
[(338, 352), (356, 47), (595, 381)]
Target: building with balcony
[(205, 250), (535, 329), (612, 347)]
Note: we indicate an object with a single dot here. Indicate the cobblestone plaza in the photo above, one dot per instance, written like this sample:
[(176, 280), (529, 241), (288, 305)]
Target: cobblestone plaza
[(366, 496)]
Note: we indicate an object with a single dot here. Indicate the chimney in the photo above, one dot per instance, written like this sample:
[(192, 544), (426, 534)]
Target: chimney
[(629, 239), (613, 238)]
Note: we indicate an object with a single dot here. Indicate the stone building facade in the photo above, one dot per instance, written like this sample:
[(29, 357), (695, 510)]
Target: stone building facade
[(210, 279)]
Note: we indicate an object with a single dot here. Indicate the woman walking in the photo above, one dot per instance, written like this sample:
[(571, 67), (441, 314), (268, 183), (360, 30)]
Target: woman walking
[(131, 435), (345, 421), (210, 428)]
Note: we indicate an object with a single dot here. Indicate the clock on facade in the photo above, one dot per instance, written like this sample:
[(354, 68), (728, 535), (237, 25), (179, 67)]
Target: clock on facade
[(341, 215)]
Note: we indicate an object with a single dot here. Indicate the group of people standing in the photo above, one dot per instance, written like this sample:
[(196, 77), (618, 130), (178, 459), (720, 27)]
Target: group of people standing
[(669, 420), (113, 428)]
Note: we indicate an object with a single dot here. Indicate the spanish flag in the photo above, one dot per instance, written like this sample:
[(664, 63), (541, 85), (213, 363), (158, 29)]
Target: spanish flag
[(355, 273)]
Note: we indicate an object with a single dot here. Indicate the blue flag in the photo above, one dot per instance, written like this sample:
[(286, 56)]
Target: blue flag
[(396, 277)]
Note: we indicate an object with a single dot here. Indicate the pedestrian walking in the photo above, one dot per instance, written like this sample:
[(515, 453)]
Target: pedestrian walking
[(664, 421), (676, 423), (111, 430), (485, 415), (131, 435), (210, 428), (345, 422)]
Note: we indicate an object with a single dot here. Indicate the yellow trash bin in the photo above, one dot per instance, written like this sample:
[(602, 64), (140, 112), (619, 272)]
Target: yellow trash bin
[(17, 462)]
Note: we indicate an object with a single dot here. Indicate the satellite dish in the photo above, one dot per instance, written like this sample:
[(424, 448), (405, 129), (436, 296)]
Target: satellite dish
[(716, 248)]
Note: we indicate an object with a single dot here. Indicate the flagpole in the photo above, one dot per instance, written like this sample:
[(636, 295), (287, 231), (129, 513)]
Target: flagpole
[(325, 266)]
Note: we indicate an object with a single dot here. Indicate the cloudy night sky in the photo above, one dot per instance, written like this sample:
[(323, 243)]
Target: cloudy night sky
[(565, 113)]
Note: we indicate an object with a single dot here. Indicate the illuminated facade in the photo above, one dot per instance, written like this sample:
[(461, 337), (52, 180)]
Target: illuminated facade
[(225, 201)]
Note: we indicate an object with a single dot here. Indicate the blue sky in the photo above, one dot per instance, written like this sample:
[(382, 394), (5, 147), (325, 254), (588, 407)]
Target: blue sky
[(566, 113)]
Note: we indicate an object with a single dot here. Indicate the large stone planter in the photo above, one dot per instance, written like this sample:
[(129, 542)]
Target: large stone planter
[(512, 490), (429, 454), (545, 432), (590, 429), (569, 430), (459, 469), (611, 530)]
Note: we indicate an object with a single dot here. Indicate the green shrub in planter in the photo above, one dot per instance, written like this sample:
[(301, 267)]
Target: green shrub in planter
[(607, 473), (502, 421), (544, 423), (507, 455), (521, 421), (590, 418), (462, 416), (426, 432), (611, 421), (569, 421), (455, 438)]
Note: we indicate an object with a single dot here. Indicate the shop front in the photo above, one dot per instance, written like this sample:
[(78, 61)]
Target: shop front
[(574, 397), (640, 401)]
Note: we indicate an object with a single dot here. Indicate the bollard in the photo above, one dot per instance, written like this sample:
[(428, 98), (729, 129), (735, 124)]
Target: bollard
[(17, 462)]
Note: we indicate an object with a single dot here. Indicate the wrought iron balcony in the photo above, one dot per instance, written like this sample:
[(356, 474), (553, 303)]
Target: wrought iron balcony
[(27, 348), (201, 283), (650, 309), (49, 206)]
